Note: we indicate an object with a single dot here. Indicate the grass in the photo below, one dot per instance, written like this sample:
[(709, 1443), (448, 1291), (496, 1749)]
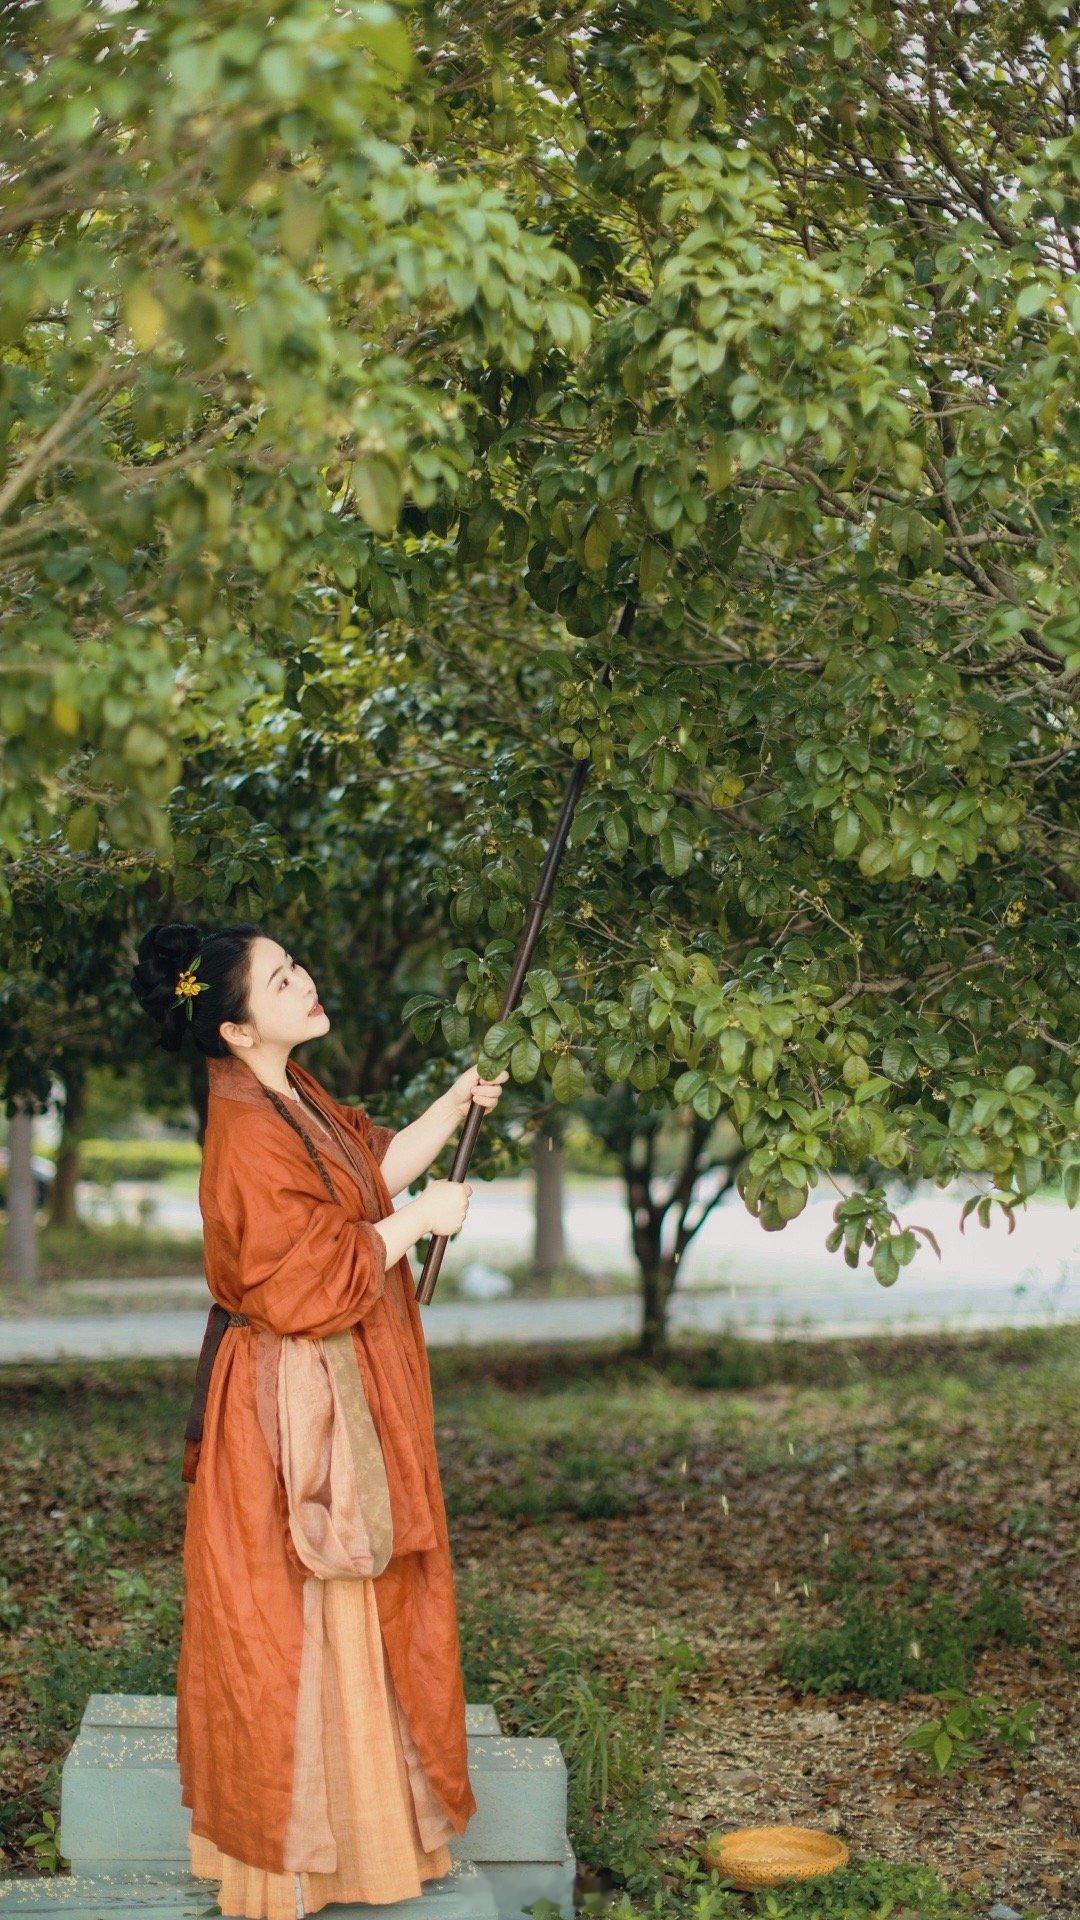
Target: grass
[(628, 1539), (610, 1731), (122, 1251)]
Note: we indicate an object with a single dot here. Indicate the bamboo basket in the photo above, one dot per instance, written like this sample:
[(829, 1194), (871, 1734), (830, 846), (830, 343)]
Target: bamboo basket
[(754, 1857)]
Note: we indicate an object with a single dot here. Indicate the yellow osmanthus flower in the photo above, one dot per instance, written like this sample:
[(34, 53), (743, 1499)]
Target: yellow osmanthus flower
[(187, 986)]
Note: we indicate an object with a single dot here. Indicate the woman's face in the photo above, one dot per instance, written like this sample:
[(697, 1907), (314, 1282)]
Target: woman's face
[(283, 1006)]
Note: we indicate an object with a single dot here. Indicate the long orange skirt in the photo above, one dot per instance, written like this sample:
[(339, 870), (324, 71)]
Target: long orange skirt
[(373, 1811)]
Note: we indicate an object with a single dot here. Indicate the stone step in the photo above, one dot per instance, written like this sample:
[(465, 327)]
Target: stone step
[(465, 1893), (81, 1896), (120, 1800), (124, 1830), (159, 1710)]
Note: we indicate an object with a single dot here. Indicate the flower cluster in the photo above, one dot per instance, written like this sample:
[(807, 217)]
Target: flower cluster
[(187, 986)]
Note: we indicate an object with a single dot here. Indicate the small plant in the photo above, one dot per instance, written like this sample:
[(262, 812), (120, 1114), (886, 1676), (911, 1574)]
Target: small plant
[(12, 1612), (84, 1540), (1015, 1727), (960, 1733), (869, 1889), (587, 1487), (1028, 1521), (131, 1589), (45, 1844), (594, 1579), (880, 1651), (676, 1651), (145, 1601)]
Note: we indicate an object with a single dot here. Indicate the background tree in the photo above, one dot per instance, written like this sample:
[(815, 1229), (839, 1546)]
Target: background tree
[(549, 1249), (668, 1204)]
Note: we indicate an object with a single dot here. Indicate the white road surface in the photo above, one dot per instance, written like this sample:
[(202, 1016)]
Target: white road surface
[(735, 1277)]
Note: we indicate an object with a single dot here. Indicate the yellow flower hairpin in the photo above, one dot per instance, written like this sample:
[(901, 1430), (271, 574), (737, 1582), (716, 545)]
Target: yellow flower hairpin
[(187, 986)]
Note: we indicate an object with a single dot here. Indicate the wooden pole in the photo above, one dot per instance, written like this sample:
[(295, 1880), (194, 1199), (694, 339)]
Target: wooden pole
[(526, 946)]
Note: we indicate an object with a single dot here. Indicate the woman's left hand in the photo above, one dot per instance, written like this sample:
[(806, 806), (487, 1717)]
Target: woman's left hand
[(469, 1090)]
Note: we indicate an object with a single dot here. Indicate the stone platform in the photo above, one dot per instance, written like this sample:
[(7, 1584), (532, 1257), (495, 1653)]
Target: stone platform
[(124, 1830)]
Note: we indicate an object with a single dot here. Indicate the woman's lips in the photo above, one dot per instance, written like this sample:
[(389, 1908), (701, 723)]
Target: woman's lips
[(317, 1008)]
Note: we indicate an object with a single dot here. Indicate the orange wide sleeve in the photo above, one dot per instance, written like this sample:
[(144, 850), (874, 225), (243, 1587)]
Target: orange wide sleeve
[(305, 1264), (375, 1138)]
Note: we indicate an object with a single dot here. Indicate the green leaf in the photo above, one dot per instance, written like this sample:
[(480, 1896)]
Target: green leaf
[(499, 1039), (732, 1049), (596, 545), (885, 1264), (525, 1060), (874, 858), (301, 220), (652, 566), (665, 770), (846, 833), (377, 487), (1031, 299), (616, 833), (568, 1079), (81, 829), (676, 851), (455, 1027)]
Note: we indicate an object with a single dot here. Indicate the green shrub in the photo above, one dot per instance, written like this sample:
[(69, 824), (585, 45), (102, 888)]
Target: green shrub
[(886, 1652), (105, 1160)]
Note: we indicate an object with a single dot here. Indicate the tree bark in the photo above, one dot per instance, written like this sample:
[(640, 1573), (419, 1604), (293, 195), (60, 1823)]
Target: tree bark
[(650, 1207), (657, 1287), (63, 1206), (23, 1267), (549, 1236)]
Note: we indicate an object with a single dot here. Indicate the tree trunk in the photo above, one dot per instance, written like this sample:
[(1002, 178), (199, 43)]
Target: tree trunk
[(22, 1245), (549, 1240), (657, 1286), (63, 1206)]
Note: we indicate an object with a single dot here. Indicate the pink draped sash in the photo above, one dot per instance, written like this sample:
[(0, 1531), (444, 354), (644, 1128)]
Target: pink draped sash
[(319, 1429)]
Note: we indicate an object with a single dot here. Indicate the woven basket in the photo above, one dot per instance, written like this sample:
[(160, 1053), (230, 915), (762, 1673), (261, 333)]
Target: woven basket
[(765, 1856)]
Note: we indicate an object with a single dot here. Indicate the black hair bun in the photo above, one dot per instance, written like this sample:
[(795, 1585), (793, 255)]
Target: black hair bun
[(164, 952)]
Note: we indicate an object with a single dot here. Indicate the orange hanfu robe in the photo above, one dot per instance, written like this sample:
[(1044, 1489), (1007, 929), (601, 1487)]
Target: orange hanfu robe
[(320, 1726)]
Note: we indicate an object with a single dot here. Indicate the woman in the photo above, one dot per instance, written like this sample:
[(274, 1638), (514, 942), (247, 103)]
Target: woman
[(320, 1703)]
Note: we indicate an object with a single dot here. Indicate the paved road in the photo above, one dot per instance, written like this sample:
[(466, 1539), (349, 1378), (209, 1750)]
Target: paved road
[(730, 1247), (852, 1306), (735, 1277)]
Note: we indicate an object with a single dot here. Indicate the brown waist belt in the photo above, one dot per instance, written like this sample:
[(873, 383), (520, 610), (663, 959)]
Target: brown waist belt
[(218, 1319)]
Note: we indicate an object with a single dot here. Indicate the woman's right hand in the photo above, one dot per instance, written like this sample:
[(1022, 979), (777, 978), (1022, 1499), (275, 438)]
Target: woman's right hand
[(445, 1204)]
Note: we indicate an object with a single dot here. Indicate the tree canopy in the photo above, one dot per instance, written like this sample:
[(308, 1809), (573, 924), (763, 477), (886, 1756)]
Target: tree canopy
[(459, 334)]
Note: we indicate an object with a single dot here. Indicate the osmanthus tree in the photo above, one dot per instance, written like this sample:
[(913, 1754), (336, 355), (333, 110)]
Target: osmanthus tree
[(415, 333), (825, 873)]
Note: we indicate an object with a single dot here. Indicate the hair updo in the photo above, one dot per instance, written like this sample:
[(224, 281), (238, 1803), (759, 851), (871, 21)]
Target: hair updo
[(223, 955)]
